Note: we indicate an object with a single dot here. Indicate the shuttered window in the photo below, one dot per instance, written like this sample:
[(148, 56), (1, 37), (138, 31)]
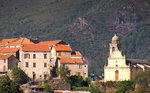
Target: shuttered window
[(4, 68), (4, 60), (59, 53), (26, 55)]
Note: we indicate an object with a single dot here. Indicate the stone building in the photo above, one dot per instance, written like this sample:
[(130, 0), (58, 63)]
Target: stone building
[(63, 55), (38, 59), (119, 68), (35, 61), (59, 51), (7, 63), (75, 65)]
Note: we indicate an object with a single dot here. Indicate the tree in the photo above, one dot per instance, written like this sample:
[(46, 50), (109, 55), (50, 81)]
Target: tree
[(75, 80), (8, 86), (87, 81), (14, 87), (5, 84), (19, 76), (49, 87), (63, 71)]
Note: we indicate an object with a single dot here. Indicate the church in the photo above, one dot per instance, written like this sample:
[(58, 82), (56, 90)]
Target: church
[(119, 68)]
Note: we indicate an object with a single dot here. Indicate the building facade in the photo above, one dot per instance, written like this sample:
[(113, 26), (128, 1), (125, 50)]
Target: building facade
[(7, 63), (35, 61), (39, 59), (75, 65), (119, 68)]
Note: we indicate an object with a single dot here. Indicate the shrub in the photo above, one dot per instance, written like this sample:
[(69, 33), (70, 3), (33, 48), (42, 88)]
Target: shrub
[(125, 86), (49, 87)]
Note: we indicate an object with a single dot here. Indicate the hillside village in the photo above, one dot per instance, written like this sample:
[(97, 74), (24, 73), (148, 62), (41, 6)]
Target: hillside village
[(40, 59)]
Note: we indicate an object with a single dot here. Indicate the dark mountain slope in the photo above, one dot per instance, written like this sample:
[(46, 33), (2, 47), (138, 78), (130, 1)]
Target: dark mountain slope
[(88, 25)]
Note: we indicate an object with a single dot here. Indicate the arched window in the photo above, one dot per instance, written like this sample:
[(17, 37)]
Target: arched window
[(116, 75), (113, 48)]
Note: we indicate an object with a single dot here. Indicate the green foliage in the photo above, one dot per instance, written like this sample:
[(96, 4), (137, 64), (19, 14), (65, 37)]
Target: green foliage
[(52, 19), (75, 81), (125, 86), (142, 80), (8, 86), (94, 88), (5, 84), (15, 87), (49, 88), (63, 71), (19, 76), (87, 81)]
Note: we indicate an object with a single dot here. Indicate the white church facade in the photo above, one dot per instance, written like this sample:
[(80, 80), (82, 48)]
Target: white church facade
[(119, 68)]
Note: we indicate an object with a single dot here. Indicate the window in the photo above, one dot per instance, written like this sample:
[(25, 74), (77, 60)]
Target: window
[(4, 68), (80, 66), (26, 55), (4, 60), (59, 53), (78, 73), (113, 48), (27, 64), (45, 64), (34, 56), (45, 56), (34, 64)]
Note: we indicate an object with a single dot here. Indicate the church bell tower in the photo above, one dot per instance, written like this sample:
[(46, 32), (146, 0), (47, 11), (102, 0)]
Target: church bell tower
[(114, 45), (116, 69)]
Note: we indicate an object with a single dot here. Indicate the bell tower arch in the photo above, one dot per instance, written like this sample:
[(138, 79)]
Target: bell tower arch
[(114, 45)]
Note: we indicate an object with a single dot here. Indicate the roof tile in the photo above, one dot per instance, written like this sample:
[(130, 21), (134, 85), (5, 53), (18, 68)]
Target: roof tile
[(71, 60), (4, 56), (63, 48), (49, 43), (8, 50), (35, 47)]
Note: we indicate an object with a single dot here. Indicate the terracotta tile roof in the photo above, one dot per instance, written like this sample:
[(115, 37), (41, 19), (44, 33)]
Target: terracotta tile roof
[(6, 41), (15, 41), (75, 53), (35, 47), (71, 60), (4, 56), (8, 50), (49, 43), (63, 48), (20, 41)]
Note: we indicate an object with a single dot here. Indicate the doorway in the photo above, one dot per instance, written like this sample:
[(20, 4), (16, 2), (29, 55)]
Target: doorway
[(116, 75), (34, 76)]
